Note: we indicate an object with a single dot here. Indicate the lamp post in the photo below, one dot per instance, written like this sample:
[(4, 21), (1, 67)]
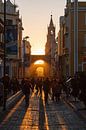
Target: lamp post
[(75, 36), (4, 37), (4, 69), (24, 40)]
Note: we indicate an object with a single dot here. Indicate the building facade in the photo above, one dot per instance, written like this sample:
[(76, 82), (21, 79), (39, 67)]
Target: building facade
[(26, 53), (68, 33), (1, 47), (13, 37), (50, 46)]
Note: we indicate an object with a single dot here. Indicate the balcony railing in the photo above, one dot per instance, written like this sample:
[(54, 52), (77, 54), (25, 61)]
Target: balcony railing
[(1, 48), (65, 51)]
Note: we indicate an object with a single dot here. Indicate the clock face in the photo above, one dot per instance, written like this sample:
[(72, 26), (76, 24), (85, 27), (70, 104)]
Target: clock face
[(51, 32)]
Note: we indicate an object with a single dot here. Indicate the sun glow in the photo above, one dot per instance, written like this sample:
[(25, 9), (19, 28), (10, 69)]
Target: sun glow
[(40, 71), (39, 62), (39, 52)]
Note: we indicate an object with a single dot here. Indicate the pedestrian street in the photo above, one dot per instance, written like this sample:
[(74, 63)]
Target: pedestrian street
[(38, 116)]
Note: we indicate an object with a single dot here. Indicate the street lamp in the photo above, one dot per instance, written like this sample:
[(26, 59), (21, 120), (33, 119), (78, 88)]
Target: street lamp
[(75, 36), (24, 40), (4, 69), (25, 37), (4, 37)]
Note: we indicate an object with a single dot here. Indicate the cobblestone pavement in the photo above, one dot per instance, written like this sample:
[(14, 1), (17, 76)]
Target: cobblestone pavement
[(38, 116), (77, 106)]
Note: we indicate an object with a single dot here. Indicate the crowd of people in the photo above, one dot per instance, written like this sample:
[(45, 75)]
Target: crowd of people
[(54, 88), (8, 87), (76, 87), (50, 87)]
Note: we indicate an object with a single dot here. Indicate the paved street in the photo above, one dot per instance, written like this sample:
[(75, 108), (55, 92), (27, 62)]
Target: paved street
[(54, 116)]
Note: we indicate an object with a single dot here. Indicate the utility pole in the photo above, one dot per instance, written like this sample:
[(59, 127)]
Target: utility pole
[(4, 91), (24, 42), (4, 37), (75, 36)]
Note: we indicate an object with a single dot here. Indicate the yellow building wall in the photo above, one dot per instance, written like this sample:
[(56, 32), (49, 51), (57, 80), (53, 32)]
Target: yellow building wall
[(81, 34)]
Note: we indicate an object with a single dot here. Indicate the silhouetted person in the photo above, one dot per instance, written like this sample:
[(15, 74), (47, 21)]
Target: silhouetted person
[(26, 86), (1, 92), (14, 85), (82, 87), (33, 83), (6, 82), (39, 85), (75, 86), (46, 88)]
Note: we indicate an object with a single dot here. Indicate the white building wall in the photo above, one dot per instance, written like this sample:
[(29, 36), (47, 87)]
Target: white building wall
[(11, 14)]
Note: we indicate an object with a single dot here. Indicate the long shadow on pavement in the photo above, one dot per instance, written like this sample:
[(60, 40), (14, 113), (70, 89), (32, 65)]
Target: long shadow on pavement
[(54, 119), (13, 119), (41, 115)]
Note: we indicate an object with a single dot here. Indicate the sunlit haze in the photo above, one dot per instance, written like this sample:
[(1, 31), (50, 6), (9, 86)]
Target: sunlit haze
[(39, 62), (36, 17)]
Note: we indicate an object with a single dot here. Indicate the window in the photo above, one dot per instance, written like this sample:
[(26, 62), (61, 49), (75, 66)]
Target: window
[(9, 22), (1, 37), (85, 19), (84, 66), (85, 40)]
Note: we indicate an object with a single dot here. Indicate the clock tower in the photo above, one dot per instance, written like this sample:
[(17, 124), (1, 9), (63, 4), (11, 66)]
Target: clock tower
[(50, 46)]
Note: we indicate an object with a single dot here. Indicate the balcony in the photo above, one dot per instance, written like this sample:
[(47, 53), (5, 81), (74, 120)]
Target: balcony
[(1, 49), (65, 51), (83, 50), (84, 58), (66, 31), (66, 12)]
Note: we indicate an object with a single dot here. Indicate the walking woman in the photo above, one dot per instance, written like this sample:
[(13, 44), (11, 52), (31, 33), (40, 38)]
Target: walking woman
[(26, 90)]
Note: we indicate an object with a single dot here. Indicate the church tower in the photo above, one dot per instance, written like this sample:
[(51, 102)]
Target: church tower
[(51, 43), (50, 47)]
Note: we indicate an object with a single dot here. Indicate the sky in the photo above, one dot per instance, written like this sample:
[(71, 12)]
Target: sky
[(36, 16)]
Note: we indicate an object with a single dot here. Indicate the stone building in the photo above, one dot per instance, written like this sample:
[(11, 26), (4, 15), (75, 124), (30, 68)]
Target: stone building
[(1, 46), (13, 37), (26, 53), (72, 38), (50, 47)]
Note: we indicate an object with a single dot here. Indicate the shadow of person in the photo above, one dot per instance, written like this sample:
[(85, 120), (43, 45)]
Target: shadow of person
[(41, 114)]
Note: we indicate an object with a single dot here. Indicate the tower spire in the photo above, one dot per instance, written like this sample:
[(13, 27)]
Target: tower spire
[(51, 21)]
